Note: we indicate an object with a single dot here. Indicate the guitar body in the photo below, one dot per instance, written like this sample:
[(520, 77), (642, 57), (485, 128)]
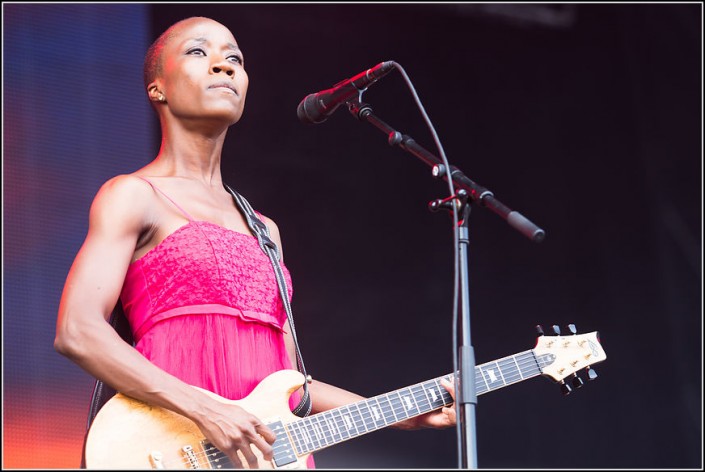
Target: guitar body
[(129, 434)]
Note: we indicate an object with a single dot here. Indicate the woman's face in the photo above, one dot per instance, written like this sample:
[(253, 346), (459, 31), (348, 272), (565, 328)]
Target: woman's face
[(203, 73)]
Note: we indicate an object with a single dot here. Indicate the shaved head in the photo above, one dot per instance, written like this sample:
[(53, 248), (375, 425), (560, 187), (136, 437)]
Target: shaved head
[(153, 59)]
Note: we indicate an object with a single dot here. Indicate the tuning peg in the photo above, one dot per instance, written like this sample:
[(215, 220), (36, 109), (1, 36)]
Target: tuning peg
[(577, 381), (556, 329), (592, 375), (571, 328), (539, 329), (565, 388)]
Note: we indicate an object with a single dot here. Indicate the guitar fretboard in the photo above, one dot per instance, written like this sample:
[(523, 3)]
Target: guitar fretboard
[(340, 424)]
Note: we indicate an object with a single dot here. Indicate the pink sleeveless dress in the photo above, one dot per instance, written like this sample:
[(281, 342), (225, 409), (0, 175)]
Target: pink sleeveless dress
[(204, 305)]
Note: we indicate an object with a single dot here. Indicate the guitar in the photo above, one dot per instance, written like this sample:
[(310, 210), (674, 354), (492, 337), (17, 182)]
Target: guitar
[(129, 434)]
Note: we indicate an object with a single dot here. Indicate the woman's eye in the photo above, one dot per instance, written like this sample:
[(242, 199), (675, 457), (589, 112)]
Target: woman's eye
[(236, 58), (197, 51)]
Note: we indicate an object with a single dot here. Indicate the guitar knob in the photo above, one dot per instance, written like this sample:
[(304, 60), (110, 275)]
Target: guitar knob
[(556, 329), (539, 329), (565, 388), (571, 328), (577, 381), (592, 375)]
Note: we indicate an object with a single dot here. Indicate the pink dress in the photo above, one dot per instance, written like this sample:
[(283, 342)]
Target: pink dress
[(204, 305)]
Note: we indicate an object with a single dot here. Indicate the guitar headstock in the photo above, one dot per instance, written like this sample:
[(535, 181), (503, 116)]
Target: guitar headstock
[(563, 356)]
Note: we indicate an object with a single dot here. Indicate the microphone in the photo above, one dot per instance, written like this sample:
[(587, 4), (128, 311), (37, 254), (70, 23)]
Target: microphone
[(317, 107)]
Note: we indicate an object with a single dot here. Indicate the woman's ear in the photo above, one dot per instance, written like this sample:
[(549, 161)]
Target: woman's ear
[(154, 93)]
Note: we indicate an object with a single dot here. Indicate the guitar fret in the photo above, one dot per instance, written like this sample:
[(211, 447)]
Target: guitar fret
[(307, 435), (422, 403), (445, 397), (363, 420), (436, 392), (514, 358), (349, 420), (489, 372), (398, 406), (304, 440), (478, 369), (390, 405), (378, 414), (428, 400), (332, 426), (408, 402), (508, 370), (317, 432), (340, 424), (323, 429), (294, 431), (501, 374), (414, 401), (313, 433)]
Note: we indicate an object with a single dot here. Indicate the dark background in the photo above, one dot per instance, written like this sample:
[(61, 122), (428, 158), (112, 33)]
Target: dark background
[(585, 118)]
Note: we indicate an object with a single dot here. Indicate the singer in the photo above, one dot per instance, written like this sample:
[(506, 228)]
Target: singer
[(172, 246)]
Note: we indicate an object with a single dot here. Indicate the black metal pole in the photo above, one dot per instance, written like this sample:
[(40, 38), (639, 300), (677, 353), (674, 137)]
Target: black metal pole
[(470, 192)]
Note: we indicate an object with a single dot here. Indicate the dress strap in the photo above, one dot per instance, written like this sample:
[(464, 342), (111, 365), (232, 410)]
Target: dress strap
[(189, 217)]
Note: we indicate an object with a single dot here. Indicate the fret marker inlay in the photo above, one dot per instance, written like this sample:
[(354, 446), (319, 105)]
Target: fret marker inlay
[(375, 412), (433, 395), (493, 378)]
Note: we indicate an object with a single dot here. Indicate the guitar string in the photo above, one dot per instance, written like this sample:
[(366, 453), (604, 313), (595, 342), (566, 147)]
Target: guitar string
[(523, 360)]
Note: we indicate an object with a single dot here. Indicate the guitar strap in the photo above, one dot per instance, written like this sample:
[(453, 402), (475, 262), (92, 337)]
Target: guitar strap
[(261, 232)]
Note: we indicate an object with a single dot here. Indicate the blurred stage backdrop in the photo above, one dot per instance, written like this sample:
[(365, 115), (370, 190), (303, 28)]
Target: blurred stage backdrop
[(585, 118)]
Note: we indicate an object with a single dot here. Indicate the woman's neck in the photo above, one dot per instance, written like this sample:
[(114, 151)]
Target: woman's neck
[(191, 156)]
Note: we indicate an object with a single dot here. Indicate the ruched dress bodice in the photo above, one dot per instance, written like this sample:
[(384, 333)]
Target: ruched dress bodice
[(204, 305)]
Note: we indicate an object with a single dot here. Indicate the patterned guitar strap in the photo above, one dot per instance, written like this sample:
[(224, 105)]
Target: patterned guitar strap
[(261, 232)]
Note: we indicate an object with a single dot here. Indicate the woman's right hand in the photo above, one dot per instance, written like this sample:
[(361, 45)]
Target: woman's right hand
[(232, 429)]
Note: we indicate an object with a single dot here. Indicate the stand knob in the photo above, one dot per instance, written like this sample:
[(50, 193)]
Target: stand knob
[(438, 171)]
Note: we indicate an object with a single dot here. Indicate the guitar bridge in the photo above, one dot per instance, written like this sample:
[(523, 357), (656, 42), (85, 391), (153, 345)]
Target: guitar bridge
[(190, 456)]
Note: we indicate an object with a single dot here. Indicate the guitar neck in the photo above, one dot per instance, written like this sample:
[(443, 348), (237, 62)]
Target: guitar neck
[(331, 427)]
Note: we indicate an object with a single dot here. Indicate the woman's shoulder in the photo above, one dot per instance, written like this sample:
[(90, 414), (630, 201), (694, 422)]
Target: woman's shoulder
[(273, 229), (125, 182), (124, 194)]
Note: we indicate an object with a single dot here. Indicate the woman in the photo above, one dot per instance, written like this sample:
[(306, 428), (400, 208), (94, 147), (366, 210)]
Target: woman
[(169, 242)]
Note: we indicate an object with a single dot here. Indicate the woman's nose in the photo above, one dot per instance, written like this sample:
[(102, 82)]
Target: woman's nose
[(223, 66)]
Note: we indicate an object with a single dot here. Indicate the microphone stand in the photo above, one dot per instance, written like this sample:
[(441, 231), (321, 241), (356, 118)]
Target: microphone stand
[(468, 192)]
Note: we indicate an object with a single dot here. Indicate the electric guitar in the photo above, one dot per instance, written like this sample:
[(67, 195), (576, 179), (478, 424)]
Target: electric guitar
[(129, 434)]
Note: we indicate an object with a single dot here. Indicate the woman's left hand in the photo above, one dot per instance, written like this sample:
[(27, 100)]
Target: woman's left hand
[(443, 418)]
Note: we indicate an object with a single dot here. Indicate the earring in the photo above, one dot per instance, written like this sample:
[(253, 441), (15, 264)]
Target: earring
[(162, 98)]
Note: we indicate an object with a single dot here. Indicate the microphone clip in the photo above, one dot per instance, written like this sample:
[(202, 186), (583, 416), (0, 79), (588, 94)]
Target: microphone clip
[(459, 200), (358, 109)]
